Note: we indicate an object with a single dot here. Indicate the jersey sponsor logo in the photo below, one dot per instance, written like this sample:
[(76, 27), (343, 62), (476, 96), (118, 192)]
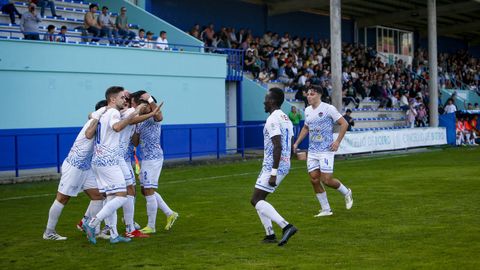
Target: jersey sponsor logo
[(320, 114)]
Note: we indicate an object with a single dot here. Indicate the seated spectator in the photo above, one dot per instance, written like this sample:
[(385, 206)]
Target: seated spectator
[(46, 3), (264, 76), (295, 116), (29, 23), (162, 42), (62, 35), (476, 107), (282, 75), (250, 64), (150, 43), (50, 35), (140, 41), (450, 108), (347, 116), (470, 135), (404, 104), (10, 9), (122, 26), (90, 23), (107, 27)]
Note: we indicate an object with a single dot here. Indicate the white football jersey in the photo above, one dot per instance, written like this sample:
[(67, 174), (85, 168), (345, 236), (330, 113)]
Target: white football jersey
[(277, 123), (107, 140), (80, 155), (320, 123), (126, 134)]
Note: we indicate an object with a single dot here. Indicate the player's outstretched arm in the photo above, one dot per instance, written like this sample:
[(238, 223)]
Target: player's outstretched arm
[(92, 128), (120, 125), (300, 138), (153, 106), (341, 133), (140, 118)]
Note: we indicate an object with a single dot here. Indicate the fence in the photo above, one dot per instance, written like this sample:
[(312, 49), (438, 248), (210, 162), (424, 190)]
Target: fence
[(24, 151)]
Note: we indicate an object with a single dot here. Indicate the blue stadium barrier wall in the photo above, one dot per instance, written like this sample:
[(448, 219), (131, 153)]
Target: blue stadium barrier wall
[(448, 121), (48, 87), (48, 147), (150, 22)]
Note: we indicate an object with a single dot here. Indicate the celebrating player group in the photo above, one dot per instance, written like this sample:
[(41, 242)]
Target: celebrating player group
[(100, 164)]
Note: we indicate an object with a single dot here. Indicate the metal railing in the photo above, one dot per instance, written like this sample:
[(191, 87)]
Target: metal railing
[(219, 149), (235, 57)]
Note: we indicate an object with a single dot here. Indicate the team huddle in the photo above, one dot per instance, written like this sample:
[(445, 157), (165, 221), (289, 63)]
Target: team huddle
[(100, 164)]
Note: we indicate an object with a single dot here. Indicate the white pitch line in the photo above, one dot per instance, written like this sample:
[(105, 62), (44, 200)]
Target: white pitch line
[(27, 197), (166, 183)]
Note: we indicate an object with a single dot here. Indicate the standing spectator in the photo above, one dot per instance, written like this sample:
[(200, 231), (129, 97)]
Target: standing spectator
[(122, 25), (50, 35), (295, 117), (10, 9), (29, 23), (162, 42), (140, 40), (349, 119), (62, 36), (107, 28), (90, 23), (47, 3), (411, 115), (421, 115), (450, 108)]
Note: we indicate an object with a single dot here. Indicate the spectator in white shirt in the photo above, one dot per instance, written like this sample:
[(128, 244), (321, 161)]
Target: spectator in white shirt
[(450, 108), (162, 42), (140, 41)]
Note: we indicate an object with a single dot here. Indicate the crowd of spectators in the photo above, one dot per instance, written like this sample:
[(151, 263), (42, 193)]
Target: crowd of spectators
[(301, 63), (114, 29)]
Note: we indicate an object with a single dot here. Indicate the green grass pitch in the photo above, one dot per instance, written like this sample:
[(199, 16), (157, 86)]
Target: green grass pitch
[(411, 211)]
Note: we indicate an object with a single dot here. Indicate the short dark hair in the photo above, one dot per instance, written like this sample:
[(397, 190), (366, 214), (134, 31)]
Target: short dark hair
[(348, 111), (112, 90), (135, 96), (63, 27), (100, 104), (92, 6), (277, 95), (162, 32), (141, 30), (50, 27), (149, 33), (104, 7)]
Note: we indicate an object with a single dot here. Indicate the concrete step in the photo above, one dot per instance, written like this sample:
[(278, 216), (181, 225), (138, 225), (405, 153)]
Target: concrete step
[(382, 113), (379, 122)]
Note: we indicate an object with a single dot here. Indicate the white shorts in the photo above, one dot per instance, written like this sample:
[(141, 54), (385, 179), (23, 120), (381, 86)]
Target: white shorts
[(110, 179), (74, 180), (150, 172), (127, 171), (321, 161), (262, 182)]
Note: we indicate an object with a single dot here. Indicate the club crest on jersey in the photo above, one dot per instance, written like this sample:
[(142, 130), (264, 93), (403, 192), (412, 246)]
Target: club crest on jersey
[(320, 114)]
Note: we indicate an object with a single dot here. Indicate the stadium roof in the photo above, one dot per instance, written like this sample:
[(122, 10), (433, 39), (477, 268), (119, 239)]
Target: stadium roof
[(455, 18)]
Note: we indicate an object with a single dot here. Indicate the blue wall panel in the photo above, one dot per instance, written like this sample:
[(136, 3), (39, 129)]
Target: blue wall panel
[(37, 148), (308, 25), (231, 13), (7, 153)]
